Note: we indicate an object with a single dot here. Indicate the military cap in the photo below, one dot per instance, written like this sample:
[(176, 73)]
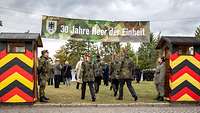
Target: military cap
[(44, 51)]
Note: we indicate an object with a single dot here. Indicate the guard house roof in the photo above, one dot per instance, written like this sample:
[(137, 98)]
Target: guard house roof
[(178, 40), (22, 36)]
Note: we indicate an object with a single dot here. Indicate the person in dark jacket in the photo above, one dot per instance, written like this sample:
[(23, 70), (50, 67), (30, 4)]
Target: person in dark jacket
[(57, 73), (67, 73), (137, 74), (106, 74), (51, 73)]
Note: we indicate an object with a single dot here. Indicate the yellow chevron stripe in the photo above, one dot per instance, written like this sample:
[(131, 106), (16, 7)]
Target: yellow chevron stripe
[(184, 77), (11, 56), (180, 59), (16, 76), (186, 97), (16, 98)]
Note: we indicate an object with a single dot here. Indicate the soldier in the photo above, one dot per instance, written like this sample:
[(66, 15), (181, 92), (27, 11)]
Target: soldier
[(98, 73), (126, 75), (43, 71), (57, 73), (160, 79), (114, 73), (87, 76)]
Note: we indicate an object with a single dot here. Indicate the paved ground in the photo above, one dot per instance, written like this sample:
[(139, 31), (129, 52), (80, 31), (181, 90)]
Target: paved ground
[(136, 109)]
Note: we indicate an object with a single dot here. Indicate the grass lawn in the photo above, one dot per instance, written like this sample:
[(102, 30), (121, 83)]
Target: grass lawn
[(69, 94)]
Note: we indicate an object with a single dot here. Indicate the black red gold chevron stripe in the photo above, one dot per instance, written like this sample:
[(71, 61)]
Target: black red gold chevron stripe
[(16, 77), (185, 79)]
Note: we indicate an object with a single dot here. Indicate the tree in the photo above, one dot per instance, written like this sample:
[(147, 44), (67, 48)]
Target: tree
[(60, 54), (72, 51), (131, 53), (197, 33), (108, 48), (147, 54)]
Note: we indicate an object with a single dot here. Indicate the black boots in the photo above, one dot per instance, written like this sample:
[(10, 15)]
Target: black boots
[(119, 98), (136, 98), (115, 93), (94, 99), (161, 98), (157, 98), (44, 99)]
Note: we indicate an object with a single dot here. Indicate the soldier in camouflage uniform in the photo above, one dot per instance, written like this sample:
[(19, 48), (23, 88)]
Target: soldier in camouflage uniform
[(126, 76), (43, 71), (98, 73), (159, 79), (114, 73), (87, 76)]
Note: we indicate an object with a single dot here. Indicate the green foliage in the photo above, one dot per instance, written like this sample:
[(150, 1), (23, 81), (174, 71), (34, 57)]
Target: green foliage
[(72, 51), (147, 54), (131, 53), (108, 49), (197, 33)]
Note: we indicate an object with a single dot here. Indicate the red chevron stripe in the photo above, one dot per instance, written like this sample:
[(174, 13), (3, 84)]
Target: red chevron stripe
[(197, 56), (174, 56), (17, 69), (184, 70), (19, 92), (185, 91), (29, 54), (3, 53)]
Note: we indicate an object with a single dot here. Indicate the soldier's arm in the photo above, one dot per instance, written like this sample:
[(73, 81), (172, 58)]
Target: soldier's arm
[(102, 68), (111, 68), (132, 67), (41, 65), (82, 70), (94, 69)]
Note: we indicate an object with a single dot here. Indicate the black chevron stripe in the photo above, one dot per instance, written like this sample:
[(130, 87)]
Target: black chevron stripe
[(183, 85), (16, 84), (18, 62), (186, 63)]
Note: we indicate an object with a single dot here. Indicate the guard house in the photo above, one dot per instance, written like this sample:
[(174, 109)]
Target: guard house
[(182, 67), (18, 58)]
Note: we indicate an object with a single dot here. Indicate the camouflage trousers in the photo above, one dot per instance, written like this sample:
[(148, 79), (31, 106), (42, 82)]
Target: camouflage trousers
[(43, 81), (160, 89)]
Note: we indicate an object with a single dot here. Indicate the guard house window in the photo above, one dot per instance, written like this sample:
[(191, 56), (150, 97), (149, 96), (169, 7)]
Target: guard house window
[(186, 50), (16, 47)]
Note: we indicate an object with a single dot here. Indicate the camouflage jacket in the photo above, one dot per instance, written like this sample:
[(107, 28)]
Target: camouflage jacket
[(87, 73), (115, 69), (98, 69), (43, 67), (127, 67)]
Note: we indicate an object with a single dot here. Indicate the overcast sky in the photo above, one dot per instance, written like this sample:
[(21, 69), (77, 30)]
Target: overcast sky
[(170, 17)]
